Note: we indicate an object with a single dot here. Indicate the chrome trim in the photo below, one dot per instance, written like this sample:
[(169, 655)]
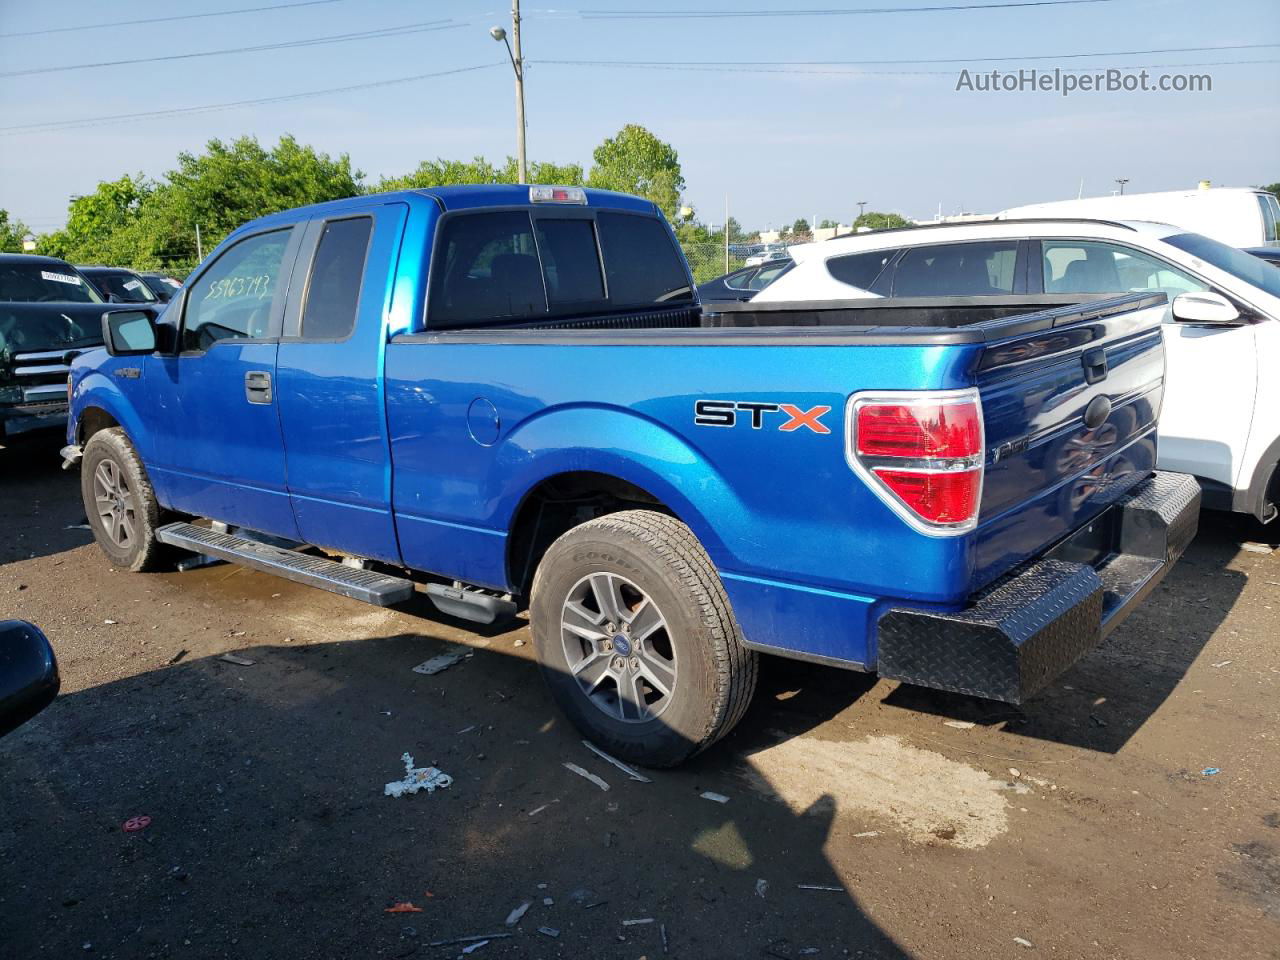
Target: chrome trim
[(47, 354), (46, 391), (867, 471), (41, 370)]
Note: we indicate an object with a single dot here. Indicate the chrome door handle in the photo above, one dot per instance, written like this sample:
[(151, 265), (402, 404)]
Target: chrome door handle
[(257, 386)]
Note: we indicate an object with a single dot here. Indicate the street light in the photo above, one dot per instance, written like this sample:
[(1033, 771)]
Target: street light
[(517, 64), (862, 207), (1122, 181)]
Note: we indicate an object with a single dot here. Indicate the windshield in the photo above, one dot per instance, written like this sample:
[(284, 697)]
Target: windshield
[(1239, 264), (48, 330), (125, 286), (44, 283)]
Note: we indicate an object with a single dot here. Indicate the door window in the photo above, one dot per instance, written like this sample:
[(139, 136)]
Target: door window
[(957, 270), (236, 297), (1078, 266), (860, 269), (571, 260), (336, 275)]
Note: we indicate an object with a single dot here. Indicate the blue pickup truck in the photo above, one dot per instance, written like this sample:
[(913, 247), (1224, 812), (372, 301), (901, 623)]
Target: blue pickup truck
[(508, 397)]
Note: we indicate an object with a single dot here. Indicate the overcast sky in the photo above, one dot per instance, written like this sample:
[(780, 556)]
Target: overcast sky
[(780, 144)]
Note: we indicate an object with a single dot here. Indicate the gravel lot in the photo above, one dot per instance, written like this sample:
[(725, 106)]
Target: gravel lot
[(1084, 825)]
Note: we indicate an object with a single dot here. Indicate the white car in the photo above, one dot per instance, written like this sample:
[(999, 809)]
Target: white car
[(1221, 415), (773, 251)]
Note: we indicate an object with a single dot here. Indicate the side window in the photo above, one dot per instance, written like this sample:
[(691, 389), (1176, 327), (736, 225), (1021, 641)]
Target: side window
[(486, 269), (957, 270), (859, 269), (642, 263), (766, 275), (235, 297), (742, 279), (571, 260), (1081, 266), (1270, 215), (336, 275)]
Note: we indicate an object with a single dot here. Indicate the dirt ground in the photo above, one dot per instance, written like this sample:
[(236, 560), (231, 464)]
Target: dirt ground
[(1090, 823)]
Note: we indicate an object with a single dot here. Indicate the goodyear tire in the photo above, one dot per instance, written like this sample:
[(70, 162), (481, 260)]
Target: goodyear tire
[(119, 502), (636, 640)]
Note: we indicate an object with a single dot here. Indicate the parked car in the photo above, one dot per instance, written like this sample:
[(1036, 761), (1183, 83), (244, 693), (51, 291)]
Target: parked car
[(743, 284), (28, 673), (163, 285), (541, 414), (48, 313), (1222, 336), (118, 285), (771, 251), (1230, 215), (1269, 254)]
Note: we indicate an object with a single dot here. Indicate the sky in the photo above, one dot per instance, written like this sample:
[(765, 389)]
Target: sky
[(773, 139)]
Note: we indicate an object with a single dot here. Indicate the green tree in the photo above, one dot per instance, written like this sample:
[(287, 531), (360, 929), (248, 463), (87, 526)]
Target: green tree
[(736, 233), (828, 225), (12, 233), (635, 161), (1273, 188), (880, 221), (800, 227), (101, 226), (446, 173)]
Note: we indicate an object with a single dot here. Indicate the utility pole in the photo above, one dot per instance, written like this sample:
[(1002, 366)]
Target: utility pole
[(726, 233), (862, 208), (517, 64), (1122, 181), (199, 248)]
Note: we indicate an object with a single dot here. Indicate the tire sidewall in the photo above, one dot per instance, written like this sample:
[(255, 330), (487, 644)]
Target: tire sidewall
[(684, 722)]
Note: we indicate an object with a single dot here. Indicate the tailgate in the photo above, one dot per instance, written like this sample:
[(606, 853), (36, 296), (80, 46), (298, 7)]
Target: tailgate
[(1069, 409)]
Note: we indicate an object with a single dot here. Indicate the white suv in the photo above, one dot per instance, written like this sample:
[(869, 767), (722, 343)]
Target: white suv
[(1221, 414)]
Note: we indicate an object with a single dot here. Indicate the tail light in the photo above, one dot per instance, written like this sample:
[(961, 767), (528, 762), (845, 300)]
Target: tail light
[(922, 454)]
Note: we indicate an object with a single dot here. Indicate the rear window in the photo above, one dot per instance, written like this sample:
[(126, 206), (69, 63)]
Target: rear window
[(44, 283), (1270, 214), (504, 266), (957, 270), (125, 287), (859, 269), (334, 290)]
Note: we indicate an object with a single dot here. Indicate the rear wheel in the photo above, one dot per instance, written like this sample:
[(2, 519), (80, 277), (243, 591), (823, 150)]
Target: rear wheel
[(636, 640), (119, 502)]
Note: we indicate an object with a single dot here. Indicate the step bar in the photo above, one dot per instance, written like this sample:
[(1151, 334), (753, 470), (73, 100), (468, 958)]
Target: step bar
[(367, 585)]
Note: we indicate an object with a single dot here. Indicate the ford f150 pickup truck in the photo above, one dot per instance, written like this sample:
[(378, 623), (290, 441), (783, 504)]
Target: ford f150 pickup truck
[(48, 314), (510, 395)]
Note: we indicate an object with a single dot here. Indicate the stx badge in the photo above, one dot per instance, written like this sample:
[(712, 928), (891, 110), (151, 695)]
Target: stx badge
[(726, 413)]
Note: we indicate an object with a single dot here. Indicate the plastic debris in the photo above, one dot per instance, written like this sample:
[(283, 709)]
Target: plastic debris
[(818, 886), (549, 931), (1211, 771), (466, 730), (1015, 772), (628, 770), (417, 778), (485, 937), (959, 724), (134, 824), (1257, 548), (1023, 942), (475, 946), (237, 660), (515, 915), (405, 907), (636, 923), (77, 526), (762, 887), (442, 662), (110, 623), (1223, 663), (548, 902), (537, 810), (866, 833), (586, 775), (717, 797)]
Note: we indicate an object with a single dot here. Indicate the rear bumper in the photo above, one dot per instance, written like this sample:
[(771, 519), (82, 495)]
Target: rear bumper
[(1014, 639)]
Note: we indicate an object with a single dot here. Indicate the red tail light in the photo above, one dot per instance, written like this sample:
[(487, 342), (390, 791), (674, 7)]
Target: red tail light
[(922, 454)]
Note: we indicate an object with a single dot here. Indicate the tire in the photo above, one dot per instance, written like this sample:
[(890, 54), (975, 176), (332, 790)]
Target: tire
[(673, 676), (120, 505)]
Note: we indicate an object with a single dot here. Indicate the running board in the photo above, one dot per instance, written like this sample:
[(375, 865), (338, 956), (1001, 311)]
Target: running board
[(366, 585)]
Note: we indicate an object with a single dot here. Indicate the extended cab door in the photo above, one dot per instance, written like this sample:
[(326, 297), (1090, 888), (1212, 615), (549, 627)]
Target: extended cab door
[(330, 380), (218, 448)]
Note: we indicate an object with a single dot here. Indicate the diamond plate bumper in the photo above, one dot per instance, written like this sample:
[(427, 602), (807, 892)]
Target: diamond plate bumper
[(1016, 637)]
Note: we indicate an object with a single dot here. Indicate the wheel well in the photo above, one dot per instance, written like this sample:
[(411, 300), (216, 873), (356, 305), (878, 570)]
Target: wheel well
[(91, 421), (557, 505)]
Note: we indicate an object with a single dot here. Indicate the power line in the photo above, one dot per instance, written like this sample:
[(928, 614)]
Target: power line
[(150, 20), (807, 71), (870, 63), (822, 12), (383, 33), (176, 111)]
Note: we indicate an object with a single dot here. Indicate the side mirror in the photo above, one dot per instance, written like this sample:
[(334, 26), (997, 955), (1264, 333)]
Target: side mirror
[(28, 673), (127, 333), (1209, 308)]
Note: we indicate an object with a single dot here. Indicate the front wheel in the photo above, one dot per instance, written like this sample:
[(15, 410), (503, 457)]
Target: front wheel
[(635, 638), (119, 502)]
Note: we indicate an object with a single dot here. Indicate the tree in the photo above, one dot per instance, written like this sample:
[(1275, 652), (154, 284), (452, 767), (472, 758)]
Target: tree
[(100, 225), (1273, 188), (736, 234), (828, 225), (446, 173), (635, 161), (880, 221), (12, 233), (800, 228)]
